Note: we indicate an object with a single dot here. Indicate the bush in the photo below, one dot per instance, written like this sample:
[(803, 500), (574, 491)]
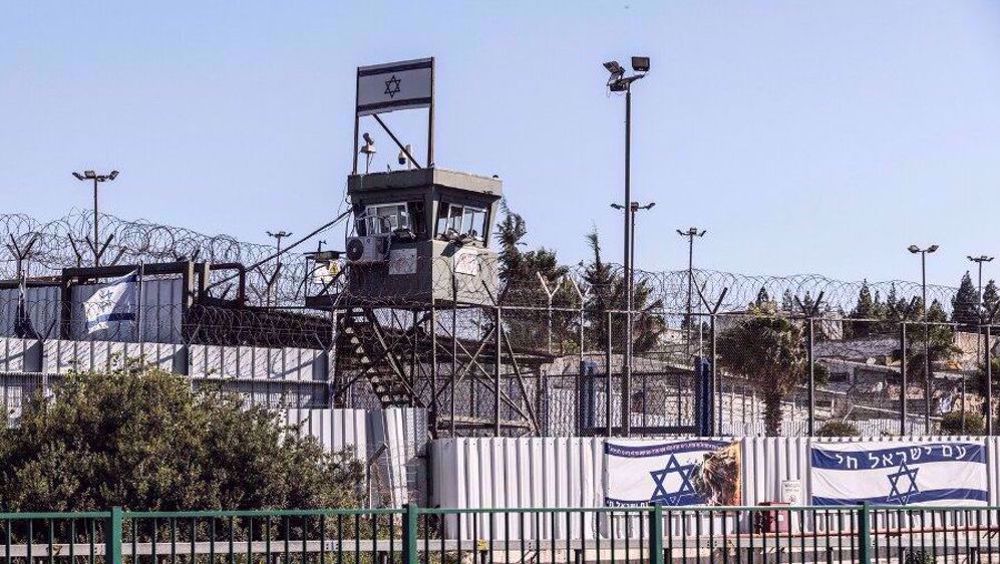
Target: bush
[(142, 439), (919, 557), (951, 424), (837, 429)]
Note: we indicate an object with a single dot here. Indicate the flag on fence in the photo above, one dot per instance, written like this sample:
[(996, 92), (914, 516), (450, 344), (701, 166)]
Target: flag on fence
[(904, 473), (674, 473), (23, 328), (114, 302)]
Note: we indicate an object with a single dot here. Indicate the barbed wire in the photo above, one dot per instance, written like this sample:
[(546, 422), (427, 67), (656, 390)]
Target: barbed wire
[(63, 243)]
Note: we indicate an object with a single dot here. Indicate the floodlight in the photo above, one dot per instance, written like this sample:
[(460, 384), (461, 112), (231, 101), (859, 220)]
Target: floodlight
[(90, 174), (640, 64), (618, 206), (369, 147), (78, 176), (614, 68), (932, 248), (113, 175), (913, 249)]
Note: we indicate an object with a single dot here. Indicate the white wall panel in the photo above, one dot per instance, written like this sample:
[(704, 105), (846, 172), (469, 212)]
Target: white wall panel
[(60, 357), (255, 363), (335, 429)]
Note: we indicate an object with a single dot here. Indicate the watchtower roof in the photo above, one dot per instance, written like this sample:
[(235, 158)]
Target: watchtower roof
[(423, 178)]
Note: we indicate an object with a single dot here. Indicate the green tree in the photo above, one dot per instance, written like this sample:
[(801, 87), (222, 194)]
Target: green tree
[(965, 304), (140, 438), (607, 292), (951, 424), (864, 309), (837, 429), (936, 342), (787, 302), (769, 351), (520, 272), (991, 297), (762, 297)]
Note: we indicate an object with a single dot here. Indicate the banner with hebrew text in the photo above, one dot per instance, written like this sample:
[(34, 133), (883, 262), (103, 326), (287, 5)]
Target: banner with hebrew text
[(899, 473)]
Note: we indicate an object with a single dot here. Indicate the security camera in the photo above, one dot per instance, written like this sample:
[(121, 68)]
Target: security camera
[(403, 159)]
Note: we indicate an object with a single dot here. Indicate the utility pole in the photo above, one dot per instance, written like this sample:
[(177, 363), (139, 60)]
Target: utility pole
[(691, 233), (97, 179)]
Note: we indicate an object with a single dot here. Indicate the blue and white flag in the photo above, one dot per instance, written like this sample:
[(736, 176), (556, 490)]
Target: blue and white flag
[(114, 302), (677, 473), (899, 473)]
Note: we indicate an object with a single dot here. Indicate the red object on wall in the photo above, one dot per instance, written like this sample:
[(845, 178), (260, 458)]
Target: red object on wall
[(773, 521)]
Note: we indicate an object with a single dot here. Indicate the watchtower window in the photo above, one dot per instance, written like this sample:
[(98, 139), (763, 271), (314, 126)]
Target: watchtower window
[(458, 219), (383, 219)]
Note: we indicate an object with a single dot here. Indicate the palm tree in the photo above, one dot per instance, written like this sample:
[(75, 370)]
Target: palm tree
[(769, 351)]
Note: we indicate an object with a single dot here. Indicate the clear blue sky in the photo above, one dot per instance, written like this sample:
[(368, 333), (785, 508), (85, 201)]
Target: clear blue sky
[(806, 137)]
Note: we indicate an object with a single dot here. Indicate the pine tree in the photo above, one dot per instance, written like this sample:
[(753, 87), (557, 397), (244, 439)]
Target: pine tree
[(965, 304), (892, 312), (787, 301), (864, 309), (991, 297), (762, 297)]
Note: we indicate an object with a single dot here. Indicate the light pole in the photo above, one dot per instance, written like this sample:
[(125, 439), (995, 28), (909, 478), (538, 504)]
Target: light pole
[(278, 236), (691, 233), (96, 178), (979, 262), (927, 333), (618, 82), (980, 310)]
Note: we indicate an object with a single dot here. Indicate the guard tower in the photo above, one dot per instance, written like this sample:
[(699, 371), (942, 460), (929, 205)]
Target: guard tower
[(412, 291), (421, 236)]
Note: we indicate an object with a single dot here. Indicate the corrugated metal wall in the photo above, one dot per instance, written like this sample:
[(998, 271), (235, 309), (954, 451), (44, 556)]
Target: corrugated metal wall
[(257, 363), (336, 429), (569, 472), (42, 305), (61, 357)]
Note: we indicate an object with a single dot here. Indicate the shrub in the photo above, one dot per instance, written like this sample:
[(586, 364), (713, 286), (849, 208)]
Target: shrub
[(837, 429), (951, 424), (142, 439)]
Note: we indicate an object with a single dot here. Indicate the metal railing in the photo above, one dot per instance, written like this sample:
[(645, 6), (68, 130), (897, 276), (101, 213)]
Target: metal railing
[(866, 534)]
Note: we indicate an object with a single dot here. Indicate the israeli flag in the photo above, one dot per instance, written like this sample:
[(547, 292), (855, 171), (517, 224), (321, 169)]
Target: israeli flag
[(903, 473), (114, 302)]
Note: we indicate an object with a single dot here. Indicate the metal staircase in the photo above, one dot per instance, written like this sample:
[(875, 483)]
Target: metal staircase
[(362, 340)]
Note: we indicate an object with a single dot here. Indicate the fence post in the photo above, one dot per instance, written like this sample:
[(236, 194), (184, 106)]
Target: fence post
[(656, 535), (410, 534), (903, 383), (113, 537), (864, 532)]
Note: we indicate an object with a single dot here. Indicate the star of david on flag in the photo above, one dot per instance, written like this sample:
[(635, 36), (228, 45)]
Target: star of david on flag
[(903, 478), (114, 302), (683, 493)]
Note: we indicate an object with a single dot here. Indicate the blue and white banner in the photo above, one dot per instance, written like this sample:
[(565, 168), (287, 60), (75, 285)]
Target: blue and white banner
[(676, 473), (113, 303), (899, 473)]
